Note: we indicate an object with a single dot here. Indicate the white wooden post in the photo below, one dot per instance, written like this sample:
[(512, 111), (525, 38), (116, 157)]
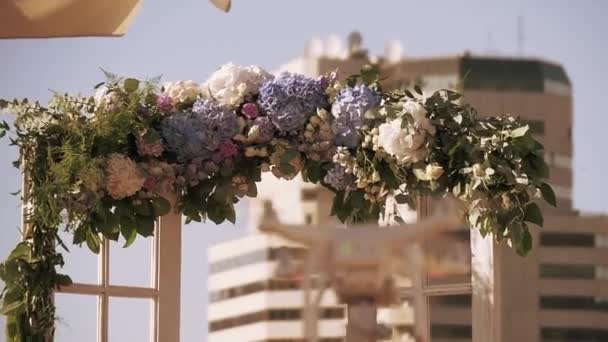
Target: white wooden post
[(168, 276), (422, 325), (485, 302)]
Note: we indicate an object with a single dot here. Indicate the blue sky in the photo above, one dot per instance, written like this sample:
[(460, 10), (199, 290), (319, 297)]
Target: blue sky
[(188, 39)]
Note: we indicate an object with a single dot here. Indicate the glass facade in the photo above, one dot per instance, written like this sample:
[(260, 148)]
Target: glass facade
[(501, 74)]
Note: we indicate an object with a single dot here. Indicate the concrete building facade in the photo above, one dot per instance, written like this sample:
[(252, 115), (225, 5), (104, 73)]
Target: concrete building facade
[(558, 293)]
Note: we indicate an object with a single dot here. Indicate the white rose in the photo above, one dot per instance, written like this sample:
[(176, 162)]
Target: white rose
[(231, 83), (419, 113), (405, 144), (104, 98), (182, 91), (100, 94)]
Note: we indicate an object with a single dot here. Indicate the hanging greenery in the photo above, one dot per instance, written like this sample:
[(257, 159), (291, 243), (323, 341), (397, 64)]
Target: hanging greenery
[(101, 167)]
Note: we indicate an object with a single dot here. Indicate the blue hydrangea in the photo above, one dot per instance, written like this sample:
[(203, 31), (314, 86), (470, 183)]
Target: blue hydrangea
[(338, 179), (349, 112), (223, 122), (197, 134), (290, 100), (351, 103), (347, 134), (265, 129)]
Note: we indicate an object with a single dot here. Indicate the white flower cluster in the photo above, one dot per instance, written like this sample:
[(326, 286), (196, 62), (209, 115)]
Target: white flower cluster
[(182, 91), (318, 137), (406, 142), (105, 98), (430, 173), (232, 83), (367, 178), (123, 178)]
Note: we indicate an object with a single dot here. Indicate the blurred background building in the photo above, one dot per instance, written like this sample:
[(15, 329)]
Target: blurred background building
[(558, 293)]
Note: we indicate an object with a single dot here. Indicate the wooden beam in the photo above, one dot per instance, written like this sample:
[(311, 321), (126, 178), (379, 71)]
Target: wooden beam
[(167, 280), (485, 308)]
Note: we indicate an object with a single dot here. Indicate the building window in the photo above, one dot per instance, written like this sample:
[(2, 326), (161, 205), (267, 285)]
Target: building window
[(308, 219), (573, 334), (453, 301), (567, 240), (573, 303), (563, 271), (272, 315), (310, 194), (449, 332), (256, 257)]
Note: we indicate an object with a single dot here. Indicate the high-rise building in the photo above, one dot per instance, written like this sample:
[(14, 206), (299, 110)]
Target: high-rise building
[(558, 293)]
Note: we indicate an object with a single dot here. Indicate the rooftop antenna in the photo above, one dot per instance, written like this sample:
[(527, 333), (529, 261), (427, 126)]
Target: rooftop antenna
[(520, 35)]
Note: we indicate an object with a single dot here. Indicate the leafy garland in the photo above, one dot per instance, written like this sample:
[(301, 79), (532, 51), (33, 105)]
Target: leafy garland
[(98, 167)]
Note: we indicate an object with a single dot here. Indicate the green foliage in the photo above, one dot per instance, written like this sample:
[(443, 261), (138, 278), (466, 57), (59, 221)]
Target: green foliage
[(493, 165)]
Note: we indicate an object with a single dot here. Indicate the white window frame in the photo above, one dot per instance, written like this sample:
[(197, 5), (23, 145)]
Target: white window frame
[(164, 290), (485, 306)]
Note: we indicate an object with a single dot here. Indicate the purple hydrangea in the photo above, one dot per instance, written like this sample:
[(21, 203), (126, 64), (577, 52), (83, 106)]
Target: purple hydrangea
[(196, 134), (338, 179), (290, 100), (349, 112)]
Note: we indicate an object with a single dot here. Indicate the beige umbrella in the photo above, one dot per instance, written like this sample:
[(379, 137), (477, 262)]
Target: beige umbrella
[(71, 18), (224, 5), (66, 18)]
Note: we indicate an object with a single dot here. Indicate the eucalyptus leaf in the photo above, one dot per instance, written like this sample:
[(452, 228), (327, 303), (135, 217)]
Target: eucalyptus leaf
[(131, 85), (63, 280), (216, 213), (548, 194), (145, 225), (144, 208), (12, 308), (129, 233), (93, 242), (357, 199), (524, 243), (230, 213), (533, 214), (21, 251), (252, 190), (161, 206)]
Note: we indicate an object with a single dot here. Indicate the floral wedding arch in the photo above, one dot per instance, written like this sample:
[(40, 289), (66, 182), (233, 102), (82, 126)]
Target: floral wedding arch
[(101, 167)]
